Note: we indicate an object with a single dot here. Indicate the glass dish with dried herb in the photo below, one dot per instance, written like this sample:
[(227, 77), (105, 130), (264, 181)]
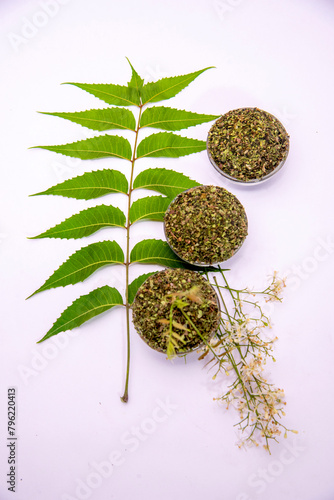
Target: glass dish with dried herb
[(205, 225), (176, 311), (247, 145)]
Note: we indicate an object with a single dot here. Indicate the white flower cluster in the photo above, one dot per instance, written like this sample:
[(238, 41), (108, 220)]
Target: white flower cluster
[(240, 351), (275, 288)]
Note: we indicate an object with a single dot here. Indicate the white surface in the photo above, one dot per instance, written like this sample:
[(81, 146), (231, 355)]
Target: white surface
[(274, 55)]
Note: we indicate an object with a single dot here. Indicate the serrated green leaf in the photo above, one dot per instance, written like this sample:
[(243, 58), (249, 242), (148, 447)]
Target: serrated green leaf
[(84, 308), (172, 119), (86, 222), (83, 263), (167, 87), (136, 82), (158, 252), (163, 181), (168, 145), (101, 119), (149, 208), (117, 95), (155, 252), (97, 147), (133, 287), (90, 185)]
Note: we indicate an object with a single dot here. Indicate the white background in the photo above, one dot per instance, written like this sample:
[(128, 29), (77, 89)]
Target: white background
[(276, 55)]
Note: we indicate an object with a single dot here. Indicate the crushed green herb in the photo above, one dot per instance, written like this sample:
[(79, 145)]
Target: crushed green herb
[(176, 311), (247, 144), (205, 225)]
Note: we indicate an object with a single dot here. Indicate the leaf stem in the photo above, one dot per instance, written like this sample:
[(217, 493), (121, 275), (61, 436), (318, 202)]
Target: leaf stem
[(125, 396)]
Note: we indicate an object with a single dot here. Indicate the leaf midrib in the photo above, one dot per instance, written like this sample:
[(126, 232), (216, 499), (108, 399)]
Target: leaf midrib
[(118, 97), (91, 187), (157, 257), (86, 226), (168, 89), (107, 153), (168, 147), (84, 314), (149, 215), (81, 86), (169, 186), (80, 270), (170, 121), (97, 121)]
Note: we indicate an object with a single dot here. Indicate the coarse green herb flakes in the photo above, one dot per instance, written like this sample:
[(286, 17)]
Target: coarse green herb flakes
[(247, 144), (205, 225), (177, 301)]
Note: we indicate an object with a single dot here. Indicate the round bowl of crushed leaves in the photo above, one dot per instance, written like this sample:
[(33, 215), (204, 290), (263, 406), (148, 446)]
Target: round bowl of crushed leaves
[(247, 145)]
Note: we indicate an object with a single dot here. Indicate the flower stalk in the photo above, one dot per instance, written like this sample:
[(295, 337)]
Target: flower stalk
[(239, 351)]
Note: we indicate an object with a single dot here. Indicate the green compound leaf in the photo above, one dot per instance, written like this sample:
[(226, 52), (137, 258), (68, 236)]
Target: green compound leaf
[(117, 95), (90, 185), (101, 119), (168, 87), (85, 308), (133, 287), (136, 82), (168, 145), (163, 181), (86, 222), (172, 119), (155, 252), (149, 208), (97, 147), (83, 263)]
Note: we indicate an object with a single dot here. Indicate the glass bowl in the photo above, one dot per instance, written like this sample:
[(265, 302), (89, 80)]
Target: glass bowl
[(210, 237), (247, 145), (151, 310)]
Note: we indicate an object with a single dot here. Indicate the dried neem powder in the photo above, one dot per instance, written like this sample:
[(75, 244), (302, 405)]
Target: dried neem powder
[(152, 310), (247, 145), (205, 225)]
